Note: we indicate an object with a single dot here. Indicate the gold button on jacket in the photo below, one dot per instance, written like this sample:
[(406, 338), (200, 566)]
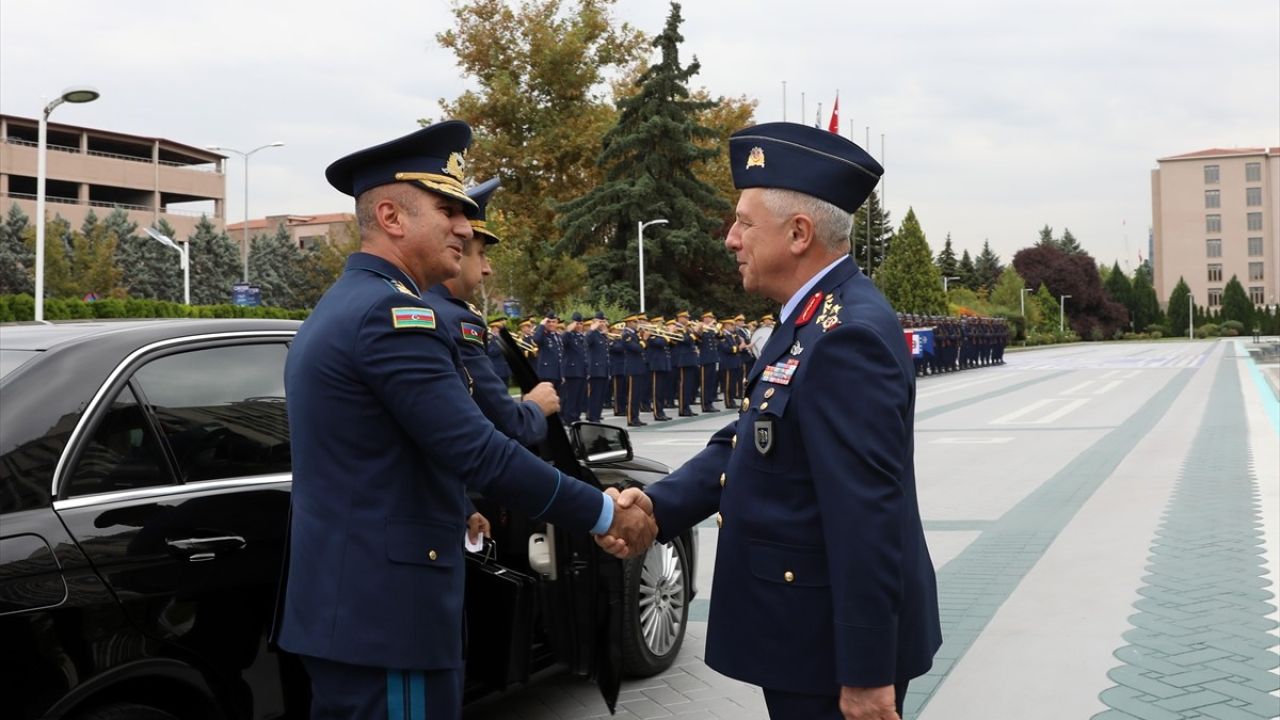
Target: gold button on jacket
[(719, 520), (789, 576), (432, 555), (722, 479)]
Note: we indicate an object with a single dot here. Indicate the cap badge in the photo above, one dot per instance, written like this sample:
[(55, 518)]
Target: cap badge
[(455, 166), (755, 158)]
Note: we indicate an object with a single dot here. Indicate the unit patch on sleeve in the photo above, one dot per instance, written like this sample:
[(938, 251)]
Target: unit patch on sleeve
[(473, 333), (410, 318)]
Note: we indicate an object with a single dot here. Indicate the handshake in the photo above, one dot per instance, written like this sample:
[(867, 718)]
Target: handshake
[(633, 529)]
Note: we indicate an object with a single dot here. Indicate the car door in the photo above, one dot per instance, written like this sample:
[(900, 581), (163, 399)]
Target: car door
[(178, 491)]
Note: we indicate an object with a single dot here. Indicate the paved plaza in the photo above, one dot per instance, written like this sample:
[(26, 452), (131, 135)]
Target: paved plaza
[(1105, 523)]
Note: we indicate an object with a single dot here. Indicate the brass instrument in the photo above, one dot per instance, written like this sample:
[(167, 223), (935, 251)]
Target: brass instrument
[(528, 347), (659, 331)]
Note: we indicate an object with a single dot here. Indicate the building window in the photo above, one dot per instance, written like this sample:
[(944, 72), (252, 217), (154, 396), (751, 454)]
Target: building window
[(1210, 174), (1215, 297), (1253, 172), (1215, 273), (1255, 247), (1212, 198), (1213, 248), (1256, 295), (1255, 220), (1253, 197), (1255, 271), (1213, 223)]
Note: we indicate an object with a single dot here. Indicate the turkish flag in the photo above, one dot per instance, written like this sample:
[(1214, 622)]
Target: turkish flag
[(834, 126)]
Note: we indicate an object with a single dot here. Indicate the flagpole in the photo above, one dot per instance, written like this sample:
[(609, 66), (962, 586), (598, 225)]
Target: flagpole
[(883, 185), (784, 101), (869, 216)]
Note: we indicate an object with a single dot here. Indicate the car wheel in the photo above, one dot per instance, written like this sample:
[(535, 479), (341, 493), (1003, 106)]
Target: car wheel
[(655, 609), (126, 711)]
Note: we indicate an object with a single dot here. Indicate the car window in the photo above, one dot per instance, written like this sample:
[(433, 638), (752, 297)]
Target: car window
[(221, 410), (122, 453)]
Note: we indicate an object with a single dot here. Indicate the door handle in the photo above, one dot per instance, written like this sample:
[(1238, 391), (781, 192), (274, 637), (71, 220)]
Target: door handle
[(201, 549)]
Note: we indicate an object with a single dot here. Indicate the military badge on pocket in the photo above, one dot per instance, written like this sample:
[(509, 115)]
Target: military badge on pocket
[(764, 436)]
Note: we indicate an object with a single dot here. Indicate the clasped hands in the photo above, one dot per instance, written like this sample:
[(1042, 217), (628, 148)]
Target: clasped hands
[(633, 529)]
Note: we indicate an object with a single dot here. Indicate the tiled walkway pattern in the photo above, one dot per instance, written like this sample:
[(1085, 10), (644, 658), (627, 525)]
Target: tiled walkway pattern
[(1201, 645)]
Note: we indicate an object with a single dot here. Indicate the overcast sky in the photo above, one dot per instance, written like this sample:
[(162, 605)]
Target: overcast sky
[(998, 116)]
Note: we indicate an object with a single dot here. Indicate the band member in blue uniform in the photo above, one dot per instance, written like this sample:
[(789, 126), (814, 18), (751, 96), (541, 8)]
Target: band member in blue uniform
[(496, 357), (634, 369), (659, 365), (825, 592), (684, 357), (730, 348), (574, 370), (386, 439), (617, 371), (708, 361), (524, 421), (597, 366)]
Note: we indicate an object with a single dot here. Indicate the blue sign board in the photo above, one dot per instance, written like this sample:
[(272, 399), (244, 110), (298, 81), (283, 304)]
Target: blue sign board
[(246, 295)]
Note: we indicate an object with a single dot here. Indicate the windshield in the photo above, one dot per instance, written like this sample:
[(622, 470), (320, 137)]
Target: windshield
[(11, 360)]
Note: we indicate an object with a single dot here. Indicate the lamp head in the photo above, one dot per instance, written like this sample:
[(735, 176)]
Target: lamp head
[(80, 94)]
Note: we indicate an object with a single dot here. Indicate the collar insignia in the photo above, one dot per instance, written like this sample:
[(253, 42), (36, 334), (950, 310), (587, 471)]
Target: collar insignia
[(402, 288), (810, 307), (830, 316), (755, 158), (796, 349)]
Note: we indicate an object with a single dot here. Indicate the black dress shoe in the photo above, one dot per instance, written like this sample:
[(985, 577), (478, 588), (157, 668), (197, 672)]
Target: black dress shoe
[(710, 410), (661, 418), (688, 414), (638, 423)]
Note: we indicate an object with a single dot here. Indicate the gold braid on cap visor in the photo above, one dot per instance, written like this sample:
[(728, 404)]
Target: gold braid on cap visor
[(439, 183)]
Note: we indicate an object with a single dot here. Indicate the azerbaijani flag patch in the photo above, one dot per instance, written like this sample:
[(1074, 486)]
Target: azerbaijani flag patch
[(473, 333), (404, 318)]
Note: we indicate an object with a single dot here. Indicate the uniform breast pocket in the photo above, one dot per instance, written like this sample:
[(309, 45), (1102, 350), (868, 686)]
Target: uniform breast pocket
[(767, 427), (417, 541)]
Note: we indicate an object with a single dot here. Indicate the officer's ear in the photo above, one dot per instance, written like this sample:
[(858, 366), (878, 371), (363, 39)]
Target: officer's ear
[(800, 234)]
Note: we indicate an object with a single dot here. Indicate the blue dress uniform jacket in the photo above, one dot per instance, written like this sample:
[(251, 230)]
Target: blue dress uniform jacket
[(822, 575), (550, 354), (597, 354), (574, 363), (684, 352), (497, 359), (384, 434), (522, 421)]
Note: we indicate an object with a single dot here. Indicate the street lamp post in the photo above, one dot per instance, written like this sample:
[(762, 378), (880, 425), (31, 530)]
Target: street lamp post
[(1191, 317), (640, 226), (183, 260), (1022, 300), (1062, 307), (245, 250), (946, 280), (78, 94)]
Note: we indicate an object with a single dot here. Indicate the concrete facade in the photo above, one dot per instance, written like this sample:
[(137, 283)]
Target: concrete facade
[(1214, 216), (101, 170), (305, 230)]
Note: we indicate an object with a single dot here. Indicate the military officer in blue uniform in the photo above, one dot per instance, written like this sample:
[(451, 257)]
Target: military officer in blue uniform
[(617, 367), (525, 421), (497, 358), (684, 358), (825, 592), (574, 370), (708, 362), (385, 441), (659, 365), (634, 371), (550, 362), (597, 366), (729, 345)]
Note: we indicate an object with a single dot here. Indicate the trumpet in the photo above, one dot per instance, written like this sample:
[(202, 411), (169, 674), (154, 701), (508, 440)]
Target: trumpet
[(528, 347), (659, 331)]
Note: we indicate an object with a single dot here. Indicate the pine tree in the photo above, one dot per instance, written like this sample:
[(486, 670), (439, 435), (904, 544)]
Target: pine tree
[(967, 272), (215, 264), (946, 261), (1236, 305), (909, 279), (1007, 291), (1048, 306), (1068, 243), (151, 269), (1178, 308), (275, 266), (1145, 309), (1046, 238), (880, 232), (987, 267), (1120, 290), (17, 261), (649, 158)]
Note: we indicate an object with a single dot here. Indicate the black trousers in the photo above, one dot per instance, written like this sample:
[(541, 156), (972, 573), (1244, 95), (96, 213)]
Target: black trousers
[(597, 387), (573, 399), (795, 706), (687, 384)]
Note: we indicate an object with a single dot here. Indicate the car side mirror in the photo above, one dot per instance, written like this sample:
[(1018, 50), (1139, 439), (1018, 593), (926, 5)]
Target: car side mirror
[(601, 443)]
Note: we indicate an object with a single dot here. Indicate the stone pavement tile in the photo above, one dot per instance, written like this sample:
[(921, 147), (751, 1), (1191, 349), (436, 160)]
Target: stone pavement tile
[(1128, 701), (683, 682), (1227, 712), (646, 709), (1259, 702), (1135, 680), (666, 697), (1260, 680), (1198, 657), (1143, 659), (1194, 677), (1191, 701)]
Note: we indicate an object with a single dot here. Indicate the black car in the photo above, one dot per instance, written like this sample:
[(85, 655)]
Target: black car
[(144, 494)]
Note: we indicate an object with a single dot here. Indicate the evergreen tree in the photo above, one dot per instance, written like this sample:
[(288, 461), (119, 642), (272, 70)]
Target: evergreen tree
[(1068, 243), (967, 272), (909, 279), (1236, 304), (1049, 310), (1178, 312), (1145, 309), (275, 266), (1118, 287), (987, 267), (323, 262), (880, 232), (151, 269), (1007, 291), (946, 261), (17, 261), (1046, 238), (649, 158), (215, 264)]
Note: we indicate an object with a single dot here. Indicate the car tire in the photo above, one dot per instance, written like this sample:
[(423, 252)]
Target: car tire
[(126, 711), (655, 609)]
